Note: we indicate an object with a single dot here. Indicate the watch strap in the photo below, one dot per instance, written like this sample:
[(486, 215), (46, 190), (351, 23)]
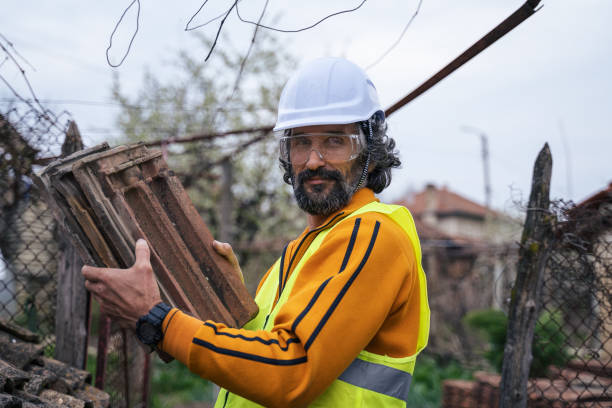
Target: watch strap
[(154, 318), (158, 313)]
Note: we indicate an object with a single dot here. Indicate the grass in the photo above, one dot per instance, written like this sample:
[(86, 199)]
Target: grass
[(173, 384)]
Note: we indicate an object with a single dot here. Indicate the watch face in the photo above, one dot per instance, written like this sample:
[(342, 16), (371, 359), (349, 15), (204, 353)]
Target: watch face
[(148, 333), (147, 330)]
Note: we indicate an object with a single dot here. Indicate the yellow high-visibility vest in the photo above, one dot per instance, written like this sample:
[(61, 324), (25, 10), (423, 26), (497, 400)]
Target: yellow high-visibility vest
[(371, 380)]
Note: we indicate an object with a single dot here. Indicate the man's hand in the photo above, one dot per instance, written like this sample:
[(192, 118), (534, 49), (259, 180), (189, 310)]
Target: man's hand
[(225, 250), (125, 294)]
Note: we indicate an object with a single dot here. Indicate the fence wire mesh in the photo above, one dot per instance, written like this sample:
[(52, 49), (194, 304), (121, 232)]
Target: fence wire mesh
[(125, 377), (574, 340), (31, 245), (28, 235)]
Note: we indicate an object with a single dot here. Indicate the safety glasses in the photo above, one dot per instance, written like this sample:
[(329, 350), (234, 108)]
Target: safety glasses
[(334, 148)]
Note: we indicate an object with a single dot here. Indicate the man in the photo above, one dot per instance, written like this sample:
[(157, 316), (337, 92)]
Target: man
[(343, 313)]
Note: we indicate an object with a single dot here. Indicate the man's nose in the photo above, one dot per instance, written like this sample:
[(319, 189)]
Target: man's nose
[(315, 160)]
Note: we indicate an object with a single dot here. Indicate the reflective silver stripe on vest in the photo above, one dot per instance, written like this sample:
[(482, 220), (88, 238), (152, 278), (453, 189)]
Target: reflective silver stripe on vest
[(377, 377)]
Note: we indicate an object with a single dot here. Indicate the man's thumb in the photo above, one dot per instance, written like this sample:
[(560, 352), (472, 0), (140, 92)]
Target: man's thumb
[(142, 252)]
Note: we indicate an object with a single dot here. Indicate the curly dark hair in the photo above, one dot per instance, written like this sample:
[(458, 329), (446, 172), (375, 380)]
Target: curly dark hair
[(383, 154)]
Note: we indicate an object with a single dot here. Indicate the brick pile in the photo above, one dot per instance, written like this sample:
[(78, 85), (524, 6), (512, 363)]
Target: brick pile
[(567, 388)]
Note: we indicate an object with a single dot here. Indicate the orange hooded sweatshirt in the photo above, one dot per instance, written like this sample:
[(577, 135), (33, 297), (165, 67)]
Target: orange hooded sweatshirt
[(358, 291)]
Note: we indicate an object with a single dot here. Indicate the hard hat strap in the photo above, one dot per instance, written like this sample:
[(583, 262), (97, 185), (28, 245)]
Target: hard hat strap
[(364, 172)]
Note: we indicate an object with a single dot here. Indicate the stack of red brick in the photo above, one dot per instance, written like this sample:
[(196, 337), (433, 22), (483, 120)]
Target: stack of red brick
[(567, 388)]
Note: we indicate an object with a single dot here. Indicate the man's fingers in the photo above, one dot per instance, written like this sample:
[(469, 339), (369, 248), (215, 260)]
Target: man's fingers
[(93, 287), (142, 252), (93, 274), (223, 248)]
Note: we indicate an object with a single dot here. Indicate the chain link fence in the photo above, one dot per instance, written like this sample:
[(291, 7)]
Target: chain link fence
[(572, 343), (28, 238), (573, 364), (31, 246)]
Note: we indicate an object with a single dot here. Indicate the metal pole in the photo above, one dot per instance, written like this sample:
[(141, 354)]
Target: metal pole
[(485, 166), (484, 143)]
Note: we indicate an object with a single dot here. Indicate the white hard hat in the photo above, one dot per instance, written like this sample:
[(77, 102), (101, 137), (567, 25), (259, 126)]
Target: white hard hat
[(327, 91)]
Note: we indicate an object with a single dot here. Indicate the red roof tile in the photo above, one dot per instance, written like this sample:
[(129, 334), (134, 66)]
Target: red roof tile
[(442, 201)]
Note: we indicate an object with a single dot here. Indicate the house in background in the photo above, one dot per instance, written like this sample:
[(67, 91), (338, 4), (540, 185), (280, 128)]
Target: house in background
[(469, 257)]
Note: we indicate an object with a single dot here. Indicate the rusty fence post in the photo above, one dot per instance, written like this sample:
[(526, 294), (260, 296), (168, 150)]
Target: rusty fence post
[(525, 303)]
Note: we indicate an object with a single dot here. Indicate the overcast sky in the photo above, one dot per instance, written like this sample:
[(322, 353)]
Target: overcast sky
[(549, 80)]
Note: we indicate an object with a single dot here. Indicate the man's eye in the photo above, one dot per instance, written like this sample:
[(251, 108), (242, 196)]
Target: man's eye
[(300, 141), (335, 141)]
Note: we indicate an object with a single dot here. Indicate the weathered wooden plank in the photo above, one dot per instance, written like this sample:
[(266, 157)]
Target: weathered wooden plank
[(525, 303), (30, 400), (11, 377), (73, 301), (17, 352), (98, 398), (19, 332), (9, 401), (40, 378), (64, 400), (68, 377)]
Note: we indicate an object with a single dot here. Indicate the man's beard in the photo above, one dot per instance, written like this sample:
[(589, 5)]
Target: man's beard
[(317, 201)]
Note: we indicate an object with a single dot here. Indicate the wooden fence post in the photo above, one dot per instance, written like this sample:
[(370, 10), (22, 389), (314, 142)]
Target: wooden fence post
[(72, 312), (525, 303)]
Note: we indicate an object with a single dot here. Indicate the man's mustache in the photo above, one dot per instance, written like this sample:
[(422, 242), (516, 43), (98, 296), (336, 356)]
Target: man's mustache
[(320, 173)]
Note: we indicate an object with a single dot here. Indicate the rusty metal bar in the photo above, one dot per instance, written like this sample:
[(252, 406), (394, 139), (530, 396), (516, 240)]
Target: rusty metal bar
[(146, 380), (126, 367), (516, 18), (208, 136), (103, 339)]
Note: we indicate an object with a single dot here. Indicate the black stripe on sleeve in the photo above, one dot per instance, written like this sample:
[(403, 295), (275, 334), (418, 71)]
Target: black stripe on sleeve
[(310, 304), (306, 236), (248, 356), (347, 255), (351, 244), (255, 338), (344, 289)]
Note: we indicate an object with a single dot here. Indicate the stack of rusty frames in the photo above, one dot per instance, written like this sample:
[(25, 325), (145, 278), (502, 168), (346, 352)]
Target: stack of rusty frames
[(107, 198)]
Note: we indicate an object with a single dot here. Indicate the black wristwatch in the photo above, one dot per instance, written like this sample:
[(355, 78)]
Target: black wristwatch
[(149, 326)]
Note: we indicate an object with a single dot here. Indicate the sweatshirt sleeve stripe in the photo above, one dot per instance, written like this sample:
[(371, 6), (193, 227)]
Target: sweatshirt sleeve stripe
[(347, 255), (344, 289), (297, 250), (257, 339), (351, 244), (248, 356)]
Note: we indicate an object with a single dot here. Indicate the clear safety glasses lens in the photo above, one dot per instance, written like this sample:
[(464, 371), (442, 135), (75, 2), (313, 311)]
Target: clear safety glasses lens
[(331, 147)]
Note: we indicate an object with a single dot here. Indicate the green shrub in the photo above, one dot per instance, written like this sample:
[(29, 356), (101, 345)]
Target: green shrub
[(429, 372), (548, 343)]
